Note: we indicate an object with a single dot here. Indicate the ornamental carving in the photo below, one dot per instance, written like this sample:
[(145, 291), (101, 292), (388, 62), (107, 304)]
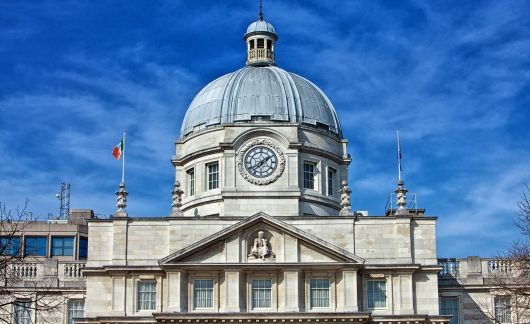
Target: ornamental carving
[(276, 162), (261, 248)]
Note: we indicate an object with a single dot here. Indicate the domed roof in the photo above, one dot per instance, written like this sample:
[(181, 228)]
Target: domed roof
[(265, 91), (260, 25)]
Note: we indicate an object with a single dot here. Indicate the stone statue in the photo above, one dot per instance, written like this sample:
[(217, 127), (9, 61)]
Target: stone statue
[(260, 248)]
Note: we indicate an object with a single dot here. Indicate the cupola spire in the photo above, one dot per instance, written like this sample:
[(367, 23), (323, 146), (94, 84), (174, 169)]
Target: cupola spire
[(260, 38)]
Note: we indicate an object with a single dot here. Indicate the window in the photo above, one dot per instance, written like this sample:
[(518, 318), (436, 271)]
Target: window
[(261, 43), (35, 245), (376, 293), (269, 44), (146, 295), (203, 293), (76, 308), (213, 175), (449, 306), (503, 313), (309, 175), (251, 44), (331, 181), (191, 181), (319, 292), (83, 247), (22, 312), (10, 245), (261, 293), (62, 245)]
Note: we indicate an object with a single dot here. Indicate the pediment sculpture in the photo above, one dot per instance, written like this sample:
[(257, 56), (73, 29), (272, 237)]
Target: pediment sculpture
[(261, 248)]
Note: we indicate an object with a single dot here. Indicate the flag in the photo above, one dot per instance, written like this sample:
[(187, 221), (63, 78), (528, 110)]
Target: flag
[(118, 149)]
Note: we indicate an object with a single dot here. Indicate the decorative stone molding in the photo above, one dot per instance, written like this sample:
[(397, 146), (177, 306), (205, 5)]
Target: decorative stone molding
[(177, 200), (121, 201), (241, 161)]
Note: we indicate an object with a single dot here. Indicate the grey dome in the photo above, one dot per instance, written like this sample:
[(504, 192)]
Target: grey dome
[(260, 25), (266, 91)]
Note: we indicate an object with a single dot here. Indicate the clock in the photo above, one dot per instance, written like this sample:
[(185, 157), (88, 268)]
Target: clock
[(260, 161)]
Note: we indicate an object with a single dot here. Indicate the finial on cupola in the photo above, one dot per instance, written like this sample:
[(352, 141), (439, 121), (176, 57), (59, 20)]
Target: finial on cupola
[(260, 38), (401, 190)]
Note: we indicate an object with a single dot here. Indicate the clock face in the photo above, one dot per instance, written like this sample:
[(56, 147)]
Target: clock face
[(260, 161)]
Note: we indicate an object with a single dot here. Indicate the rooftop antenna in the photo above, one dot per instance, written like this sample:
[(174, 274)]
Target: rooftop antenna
[(261, 10), (64, 200)]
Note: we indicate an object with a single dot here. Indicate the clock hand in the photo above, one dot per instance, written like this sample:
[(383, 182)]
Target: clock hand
[(260, 163)]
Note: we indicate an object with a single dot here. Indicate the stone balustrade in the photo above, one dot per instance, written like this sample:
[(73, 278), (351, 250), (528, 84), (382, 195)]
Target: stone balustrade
[(26, 271), (71, 270), (472, 270), (258, 54)]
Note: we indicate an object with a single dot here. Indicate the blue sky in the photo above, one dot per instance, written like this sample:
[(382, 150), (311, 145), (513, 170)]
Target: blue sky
[(454, 76)]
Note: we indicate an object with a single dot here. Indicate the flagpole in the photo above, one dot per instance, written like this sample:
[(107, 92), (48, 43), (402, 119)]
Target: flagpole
[(123, 160), (399, 156)]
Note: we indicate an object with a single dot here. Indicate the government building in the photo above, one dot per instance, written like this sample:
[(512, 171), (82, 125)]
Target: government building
[(262, 229)]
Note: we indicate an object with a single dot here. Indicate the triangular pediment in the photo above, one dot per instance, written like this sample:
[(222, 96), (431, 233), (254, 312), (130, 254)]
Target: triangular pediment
[(261, 238)]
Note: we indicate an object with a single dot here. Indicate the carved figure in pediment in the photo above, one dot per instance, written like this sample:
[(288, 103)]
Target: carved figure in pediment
[(261, 248)]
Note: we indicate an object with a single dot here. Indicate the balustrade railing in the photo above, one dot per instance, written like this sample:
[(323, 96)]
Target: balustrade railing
[(72, 269), (25, 270), (499, 266), (260, 53), (450, 267)]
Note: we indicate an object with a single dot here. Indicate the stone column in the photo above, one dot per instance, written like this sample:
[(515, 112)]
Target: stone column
[(232, 290), (291, 291)]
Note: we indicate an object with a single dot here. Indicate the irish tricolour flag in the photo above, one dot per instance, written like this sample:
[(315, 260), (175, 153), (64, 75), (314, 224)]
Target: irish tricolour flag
[(118, 149)]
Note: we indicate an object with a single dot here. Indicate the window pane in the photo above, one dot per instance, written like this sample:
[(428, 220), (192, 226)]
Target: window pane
[(10, 245), (146, 295), (203, 293), (376, 290), (261, 293), (319, 291), (76, 308), (331, 182), (22, 312), (213, 176), (83, 247), (35, 245), (309, 176), (62, 245), (503, 313), (191, 182), (449, 306)]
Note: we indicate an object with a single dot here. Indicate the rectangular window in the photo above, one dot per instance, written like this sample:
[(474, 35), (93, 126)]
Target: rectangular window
[(146, 295), (261, 293), (213, 175), (76, 309), (22, 312), (319, 292), (449, 306), (191, 181), (376, 291), (309, 175), (10, 245), (261, 43), (331, 182), (251, 44), (269, 44), (62, 245), (83, 247), (203, 293), (35, 245), (503, 313)]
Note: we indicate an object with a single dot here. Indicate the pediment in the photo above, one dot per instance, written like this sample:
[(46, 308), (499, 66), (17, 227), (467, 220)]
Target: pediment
[(261, 239)]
